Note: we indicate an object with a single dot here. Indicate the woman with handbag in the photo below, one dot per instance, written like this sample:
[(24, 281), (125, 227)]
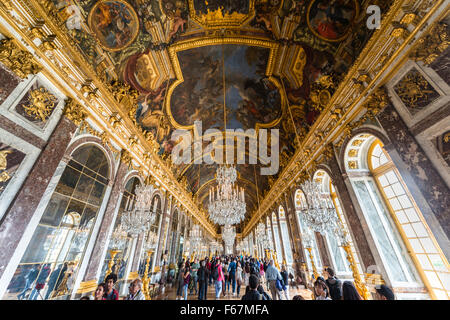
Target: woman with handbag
[(285, 284)]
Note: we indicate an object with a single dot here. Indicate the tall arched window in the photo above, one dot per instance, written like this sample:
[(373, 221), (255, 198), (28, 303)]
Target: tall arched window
[(285, 236), (123, 258), (300, 200), (276, 234), (338, 255), (403, 239), (51, 261)]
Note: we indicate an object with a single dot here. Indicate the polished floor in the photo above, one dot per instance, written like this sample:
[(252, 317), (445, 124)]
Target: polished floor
[(170, 293)]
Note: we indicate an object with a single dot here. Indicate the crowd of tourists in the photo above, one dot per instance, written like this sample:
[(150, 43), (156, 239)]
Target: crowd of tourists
[(240, 277)]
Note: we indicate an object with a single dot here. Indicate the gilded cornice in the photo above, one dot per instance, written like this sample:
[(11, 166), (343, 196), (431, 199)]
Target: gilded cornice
[(374, 64), (37, 21)]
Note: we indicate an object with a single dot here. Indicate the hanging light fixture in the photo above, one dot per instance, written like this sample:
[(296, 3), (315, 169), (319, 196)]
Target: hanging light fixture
[(318, 211), (118, 238), (228, 235), (138, 217), (195, 236), (226, 201)]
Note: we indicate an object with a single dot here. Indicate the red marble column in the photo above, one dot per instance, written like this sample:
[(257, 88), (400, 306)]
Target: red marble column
[(321, 245), (294, 231), (21, 210), (102, 236), (415, 164)]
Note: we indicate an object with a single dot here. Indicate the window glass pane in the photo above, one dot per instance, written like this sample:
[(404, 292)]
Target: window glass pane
[(335, 250), (391, 176), (437, 262), (389, 192), (39, 244), (417, 247), (83, 188), (392, 262), (405, 201), (428, 245), (68, 181), (286, 242), (22, 282), (55, 210), (401, 216), (398, 189), (383, 181), (409, 231), (434, 280), (424, 262), (412, 215), (445, 279), (395, 204), (420, 229)]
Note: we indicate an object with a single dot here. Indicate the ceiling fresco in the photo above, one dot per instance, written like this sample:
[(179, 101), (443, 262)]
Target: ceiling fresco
[(234, 64)]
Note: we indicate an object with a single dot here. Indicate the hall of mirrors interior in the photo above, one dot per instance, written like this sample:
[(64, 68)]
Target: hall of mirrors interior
[(349, 101)]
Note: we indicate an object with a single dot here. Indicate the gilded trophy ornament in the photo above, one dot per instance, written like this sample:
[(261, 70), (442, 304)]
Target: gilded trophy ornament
[(432, 45), (19, 61), (4, 175), (41, 104)]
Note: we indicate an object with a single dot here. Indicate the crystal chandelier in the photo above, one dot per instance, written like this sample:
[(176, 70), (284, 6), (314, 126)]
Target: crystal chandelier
[(118, 238), (319, 212), (226, 201), (138, 217), (228, 235), (195, 236), (307, 239), (150, 242)]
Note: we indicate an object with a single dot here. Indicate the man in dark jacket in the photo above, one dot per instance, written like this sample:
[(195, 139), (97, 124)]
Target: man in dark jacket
[(203, 277), (334, 284), (252, 293)]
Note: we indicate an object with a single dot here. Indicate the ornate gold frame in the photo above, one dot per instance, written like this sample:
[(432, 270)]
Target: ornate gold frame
[(326, 39), (209, 41), (134, 14), (223, 23)]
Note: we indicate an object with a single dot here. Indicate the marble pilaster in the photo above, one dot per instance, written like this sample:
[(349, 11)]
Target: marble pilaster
[(108, 218), (22, 208)]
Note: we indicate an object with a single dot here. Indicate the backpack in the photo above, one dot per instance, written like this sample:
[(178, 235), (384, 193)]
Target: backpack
[(215, 274), (335, 289)]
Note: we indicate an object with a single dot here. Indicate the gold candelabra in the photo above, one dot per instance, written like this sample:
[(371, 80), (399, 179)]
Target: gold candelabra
[(146, 279), (274, 257), (316, 274), (113, 254)]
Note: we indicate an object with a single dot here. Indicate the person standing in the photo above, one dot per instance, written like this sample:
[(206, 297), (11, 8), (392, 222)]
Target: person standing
[(135, 291), (285, 284), (111, 293), (383, 292), (203, 276), (252, 292), (187, 279), (239, 278), (29, 279), (180, 281), (333, 283), (99, 293), (40, 282), (272, 275), (218, 278), (195, 266), (321, 290), (226, 283), (349, 291), (232, 275), (208, 266)]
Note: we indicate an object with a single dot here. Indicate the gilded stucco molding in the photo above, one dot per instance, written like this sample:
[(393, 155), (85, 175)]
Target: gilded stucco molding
[(347, 103)]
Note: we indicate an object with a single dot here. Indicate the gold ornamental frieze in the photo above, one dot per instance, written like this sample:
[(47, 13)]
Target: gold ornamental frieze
[(19, 61)]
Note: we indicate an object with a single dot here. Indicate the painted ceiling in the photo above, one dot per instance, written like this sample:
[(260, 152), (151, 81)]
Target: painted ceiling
[(229, 63)]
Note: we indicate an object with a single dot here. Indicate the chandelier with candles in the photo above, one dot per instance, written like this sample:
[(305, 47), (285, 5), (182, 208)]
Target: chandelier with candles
[(226, 201), (319, 212), (228, 235), (195, 236), (138, 216)]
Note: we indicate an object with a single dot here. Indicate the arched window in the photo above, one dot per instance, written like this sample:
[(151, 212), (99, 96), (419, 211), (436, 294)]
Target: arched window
[(403, 239), (51, 261), (276, 235), (123, 258), (285, 236), (338, 255), (300, 201)]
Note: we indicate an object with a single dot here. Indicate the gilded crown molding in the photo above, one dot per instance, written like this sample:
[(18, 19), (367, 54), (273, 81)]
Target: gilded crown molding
[(373, 65), (19, 61)]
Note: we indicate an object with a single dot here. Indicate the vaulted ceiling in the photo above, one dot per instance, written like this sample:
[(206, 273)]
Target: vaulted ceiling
[(229, 63)]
